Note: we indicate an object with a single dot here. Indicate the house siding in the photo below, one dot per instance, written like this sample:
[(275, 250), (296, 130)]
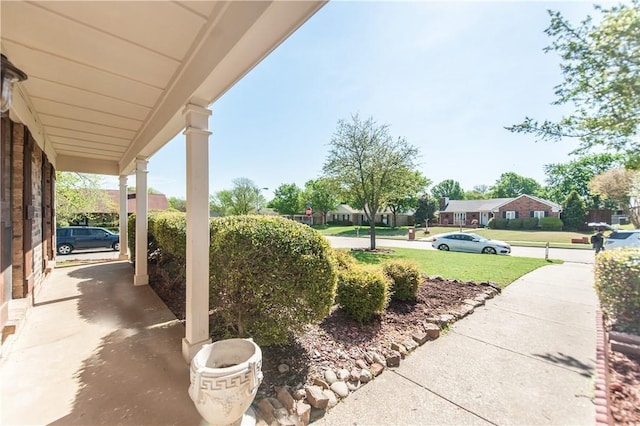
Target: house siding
[(525, 205), (26, 217)]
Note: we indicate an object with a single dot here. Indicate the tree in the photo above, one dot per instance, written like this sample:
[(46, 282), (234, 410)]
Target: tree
[(244, 198), (575, 175), (323, 195), (574, 212), (406, 190), (366, 161), (150, 190), (622, 187), (178, 204), (287, 199), (448, 188), (513, 185), (427, 206), (601, 69), (78, 197)]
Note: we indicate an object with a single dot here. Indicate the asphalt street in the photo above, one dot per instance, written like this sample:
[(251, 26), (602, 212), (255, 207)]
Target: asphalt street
[(567, 255)]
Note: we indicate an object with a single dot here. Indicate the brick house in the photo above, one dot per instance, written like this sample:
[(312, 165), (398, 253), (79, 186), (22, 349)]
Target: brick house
[(464, 212), (347, 215), (100, 87)]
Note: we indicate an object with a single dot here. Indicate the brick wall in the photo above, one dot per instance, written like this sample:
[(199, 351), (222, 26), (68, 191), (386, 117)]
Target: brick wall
[(17, 194), (524, 205), (36, 224)]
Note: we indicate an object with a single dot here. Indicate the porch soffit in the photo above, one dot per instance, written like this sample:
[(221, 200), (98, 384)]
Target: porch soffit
[(108, 80)]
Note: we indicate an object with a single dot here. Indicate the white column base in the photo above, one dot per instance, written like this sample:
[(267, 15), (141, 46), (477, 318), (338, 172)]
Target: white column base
[(141, 280), (123, 257), (189, 350)]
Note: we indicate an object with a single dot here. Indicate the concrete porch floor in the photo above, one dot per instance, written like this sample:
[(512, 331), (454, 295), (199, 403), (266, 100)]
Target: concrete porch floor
[(96, 350)]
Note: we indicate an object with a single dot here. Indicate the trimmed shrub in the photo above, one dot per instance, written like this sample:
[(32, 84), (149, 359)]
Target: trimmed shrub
[(551, 223), (268, 277), (405, 280), (514, 224), (362, 292), (344, 260), (170, 232), (617, 282), (530, 223), (497, 223)]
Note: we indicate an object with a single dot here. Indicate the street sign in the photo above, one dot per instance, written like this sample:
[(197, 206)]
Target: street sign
[(308, 211)]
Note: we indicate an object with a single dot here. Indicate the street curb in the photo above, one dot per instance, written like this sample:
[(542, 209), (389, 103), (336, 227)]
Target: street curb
[(602, 392)]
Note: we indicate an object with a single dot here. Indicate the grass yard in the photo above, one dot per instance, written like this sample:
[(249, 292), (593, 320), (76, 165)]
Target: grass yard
[(502, 270)]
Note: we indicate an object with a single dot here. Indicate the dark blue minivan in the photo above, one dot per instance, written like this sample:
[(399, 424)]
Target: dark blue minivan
[(71, 238)]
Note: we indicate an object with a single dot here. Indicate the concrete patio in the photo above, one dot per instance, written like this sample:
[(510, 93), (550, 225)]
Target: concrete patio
[(95, 349)]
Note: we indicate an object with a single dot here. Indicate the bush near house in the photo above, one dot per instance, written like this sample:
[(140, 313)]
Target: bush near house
[(268, 277), (405, 279), (497, 223), (617, 282), (514, 224), (362, 292), (551, 223), (529, 223)]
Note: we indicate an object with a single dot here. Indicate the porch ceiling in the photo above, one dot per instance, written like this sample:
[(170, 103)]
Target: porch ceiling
[(108, 80)]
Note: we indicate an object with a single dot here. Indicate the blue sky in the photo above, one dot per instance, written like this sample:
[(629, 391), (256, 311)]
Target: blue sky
[(447, 76)]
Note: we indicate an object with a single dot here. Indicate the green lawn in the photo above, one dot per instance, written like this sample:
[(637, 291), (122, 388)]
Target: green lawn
[(502, 270)]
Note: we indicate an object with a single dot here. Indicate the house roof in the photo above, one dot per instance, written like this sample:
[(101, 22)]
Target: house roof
[(347, 209), (155, 202), (554, 206), (475, 205), (108, 80)]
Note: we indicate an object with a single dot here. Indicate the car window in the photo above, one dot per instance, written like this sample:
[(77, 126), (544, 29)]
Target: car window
[(62, 232), (81, 232), (97, 232), (466, 237), (619, 235)]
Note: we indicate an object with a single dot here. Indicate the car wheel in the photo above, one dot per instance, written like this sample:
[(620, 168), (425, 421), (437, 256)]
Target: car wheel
[(65, 249), (443, 247), (116, 246), (489, 250)]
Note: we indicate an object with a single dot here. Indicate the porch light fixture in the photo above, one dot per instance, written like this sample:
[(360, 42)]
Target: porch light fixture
[(10, 75)]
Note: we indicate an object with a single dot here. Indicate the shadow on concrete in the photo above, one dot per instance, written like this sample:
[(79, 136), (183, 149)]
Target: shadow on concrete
[(137, 375), (568, 361)]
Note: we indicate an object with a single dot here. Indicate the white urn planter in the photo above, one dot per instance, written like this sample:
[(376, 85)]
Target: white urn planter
[(225, 376)]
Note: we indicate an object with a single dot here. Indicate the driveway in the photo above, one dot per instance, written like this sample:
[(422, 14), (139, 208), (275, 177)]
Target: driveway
[(88, 255), (567, 255)]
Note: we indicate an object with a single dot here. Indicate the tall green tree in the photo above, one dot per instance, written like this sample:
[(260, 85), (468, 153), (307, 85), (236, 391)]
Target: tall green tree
[(574, 212), (405, 194), (513, 185), (244, 198), (563, 178), (287, 199), (479, 192), (448, 188), (367, 161), (323, 195), (79, 196), (621, 186), (601, 70), (427, 207), (178, 204)]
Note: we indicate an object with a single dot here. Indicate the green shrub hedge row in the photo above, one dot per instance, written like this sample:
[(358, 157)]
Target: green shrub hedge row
[(617, 282), (526, 223), (551, 224)]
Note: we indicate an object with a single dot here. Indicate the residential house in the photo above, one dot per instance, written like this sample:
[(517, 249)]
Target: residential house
[(347, 215), (464, 212)]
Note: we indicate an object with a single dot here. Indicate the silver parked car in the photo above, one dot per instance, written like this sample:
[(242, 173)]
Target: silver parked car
[(472, 243), (619, 239)]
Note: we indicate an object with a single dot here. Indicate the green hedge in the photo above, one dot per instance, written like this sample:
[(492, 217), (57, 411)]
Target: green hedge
[(497, 223), (405, 279), (269, 276), (514, 224), (530, 223), (551, 223), (617, 282), (362, 292)]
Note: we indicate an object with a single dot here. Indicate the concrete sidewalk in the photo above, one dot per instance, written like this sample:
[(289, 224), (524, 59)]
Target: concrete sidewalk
[(93, 350), (525, 358)]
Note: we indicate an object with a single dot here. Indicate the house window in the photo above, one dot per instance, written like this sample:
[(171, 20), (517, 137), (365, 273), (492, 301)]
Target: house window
[(459, 218), (510, 214), (538, 215)]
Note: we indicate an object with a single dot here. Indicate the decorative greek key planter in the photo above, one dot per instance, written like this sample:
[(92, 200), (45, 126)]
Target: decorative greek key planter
[(225, 376)]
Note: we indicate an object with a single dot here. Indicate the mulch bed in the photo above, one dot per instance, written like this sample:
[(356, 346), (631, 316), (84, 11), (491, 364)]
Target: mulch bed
[(625, 388), (338, 340)]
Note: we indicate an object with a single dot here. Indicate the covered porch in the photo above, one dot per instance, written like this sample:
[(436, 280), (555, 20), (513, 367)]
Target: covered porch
[(108, 85)]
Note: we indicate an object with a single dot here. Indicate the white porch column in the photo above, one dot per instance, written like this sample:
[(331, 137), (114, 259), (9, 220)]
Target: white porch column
[(123, 218), (141, 277), (197, 309)]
